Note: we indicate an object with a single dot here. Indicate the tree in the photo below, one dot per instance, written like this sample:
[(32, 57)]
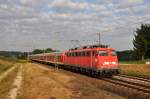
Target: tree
[(49, 50), (141, 41), (37, 51)]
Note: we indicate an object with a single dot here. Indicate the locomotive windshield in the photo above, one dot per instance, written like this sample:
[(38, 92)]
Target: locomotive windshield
[(113, 53), (103, 53)]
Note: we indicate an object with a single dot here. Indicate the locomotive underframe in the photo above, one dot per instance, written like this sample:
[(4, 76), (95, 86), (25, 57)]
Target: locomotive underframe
[(80, 69)]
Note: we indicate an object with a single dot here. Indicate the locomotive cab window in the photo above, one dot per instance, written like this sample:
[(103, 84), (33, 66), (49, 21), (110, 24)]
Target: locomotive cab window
[(103, 53), (113, 53)]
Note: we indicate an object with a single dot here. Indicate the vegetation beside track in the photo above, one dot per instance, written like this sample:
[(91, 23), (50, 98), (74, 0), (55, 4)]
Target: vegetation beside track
[(132, 62), (5, 64), (6, 84), (139, 70)]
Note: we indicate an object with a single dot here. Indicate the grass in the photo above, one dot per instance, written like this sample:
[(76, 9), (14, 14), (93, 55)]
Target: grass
[(136, 74), (22, 61), (132, 62), (136, 70), (6, 84), (8, 59), (5, 65)]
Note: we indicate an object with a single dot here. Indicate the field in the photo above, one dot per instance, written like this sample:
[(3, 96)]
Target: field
[(135, 69), (26, 80), (5, 64), (8, 72)]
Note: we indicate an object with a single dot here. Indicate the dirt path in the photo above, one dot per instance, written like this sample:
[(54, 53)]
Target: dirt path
[(2, 76), (16, 85), (40, 82)]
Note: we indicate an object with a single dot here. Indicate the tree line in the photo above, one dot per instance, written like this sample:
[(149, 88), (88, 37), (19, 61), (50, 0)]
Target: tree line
[(23, 55), (141, 42)]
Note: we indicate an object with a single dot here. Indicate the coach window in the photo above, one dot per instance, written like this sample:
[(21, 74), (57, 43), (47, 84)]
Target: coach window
[(72, 54), (84, 53), (103, 53), (93, 53), (88, 53), (75, 54), (79, 53), (66, 54)]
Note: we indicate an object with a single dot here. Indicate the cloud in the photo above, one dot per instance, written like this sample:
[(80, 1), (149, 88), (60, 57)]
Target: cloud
[(30, 24), (34, 3), (129, 3), (68, 4)]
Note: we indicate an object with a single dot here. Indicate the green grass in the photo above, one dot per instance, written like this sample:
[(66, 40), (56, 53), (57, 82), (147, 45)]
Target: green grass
[(131, 62)]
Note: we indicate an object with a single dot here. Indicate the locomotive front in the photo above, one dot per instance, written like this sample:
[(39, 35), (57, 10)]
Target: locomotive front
[(107, 61)]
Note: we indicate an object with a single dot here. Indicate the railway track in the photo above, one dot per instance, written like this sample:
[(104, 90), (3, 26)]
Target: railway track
[(139, 84), (146, 79), (129, 85), (144, 82)]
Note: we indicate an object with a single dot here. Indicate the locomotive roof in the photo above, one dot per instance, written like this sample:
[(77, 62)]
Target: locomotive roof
[(89, 49)]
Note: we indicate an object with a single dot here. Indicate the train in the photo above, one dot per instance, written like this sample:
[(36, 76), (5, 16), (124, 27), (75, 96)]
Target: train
[(98, 60)]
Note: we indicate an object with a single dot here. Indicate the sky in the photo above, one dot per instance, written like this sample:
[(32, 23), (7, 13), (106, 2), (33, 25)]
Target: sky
[(61, 24)]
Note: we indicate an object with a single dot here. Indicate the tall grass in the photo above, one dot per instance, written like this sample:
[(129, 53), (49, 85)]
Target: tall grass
[(136, 70), (132, 62)]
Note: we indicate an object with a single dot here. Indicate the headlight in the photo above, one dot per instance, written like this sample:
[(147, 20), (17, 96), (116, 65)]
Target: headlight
[(106, 63), (114, 63)]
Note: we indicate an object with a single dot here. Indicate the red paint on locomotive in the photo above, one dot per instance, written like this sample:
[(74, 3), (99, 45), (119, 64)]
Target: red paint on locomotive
[(99, 60)]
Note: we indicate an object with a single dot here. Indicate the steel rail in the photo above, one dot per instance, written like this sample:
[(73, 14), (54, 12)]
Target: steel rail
[(128, 85), (136, 78)]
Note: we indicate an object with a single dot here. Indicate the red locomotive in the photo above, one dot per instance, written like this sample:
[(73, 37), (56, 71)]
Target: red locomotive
[(95, 60)]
